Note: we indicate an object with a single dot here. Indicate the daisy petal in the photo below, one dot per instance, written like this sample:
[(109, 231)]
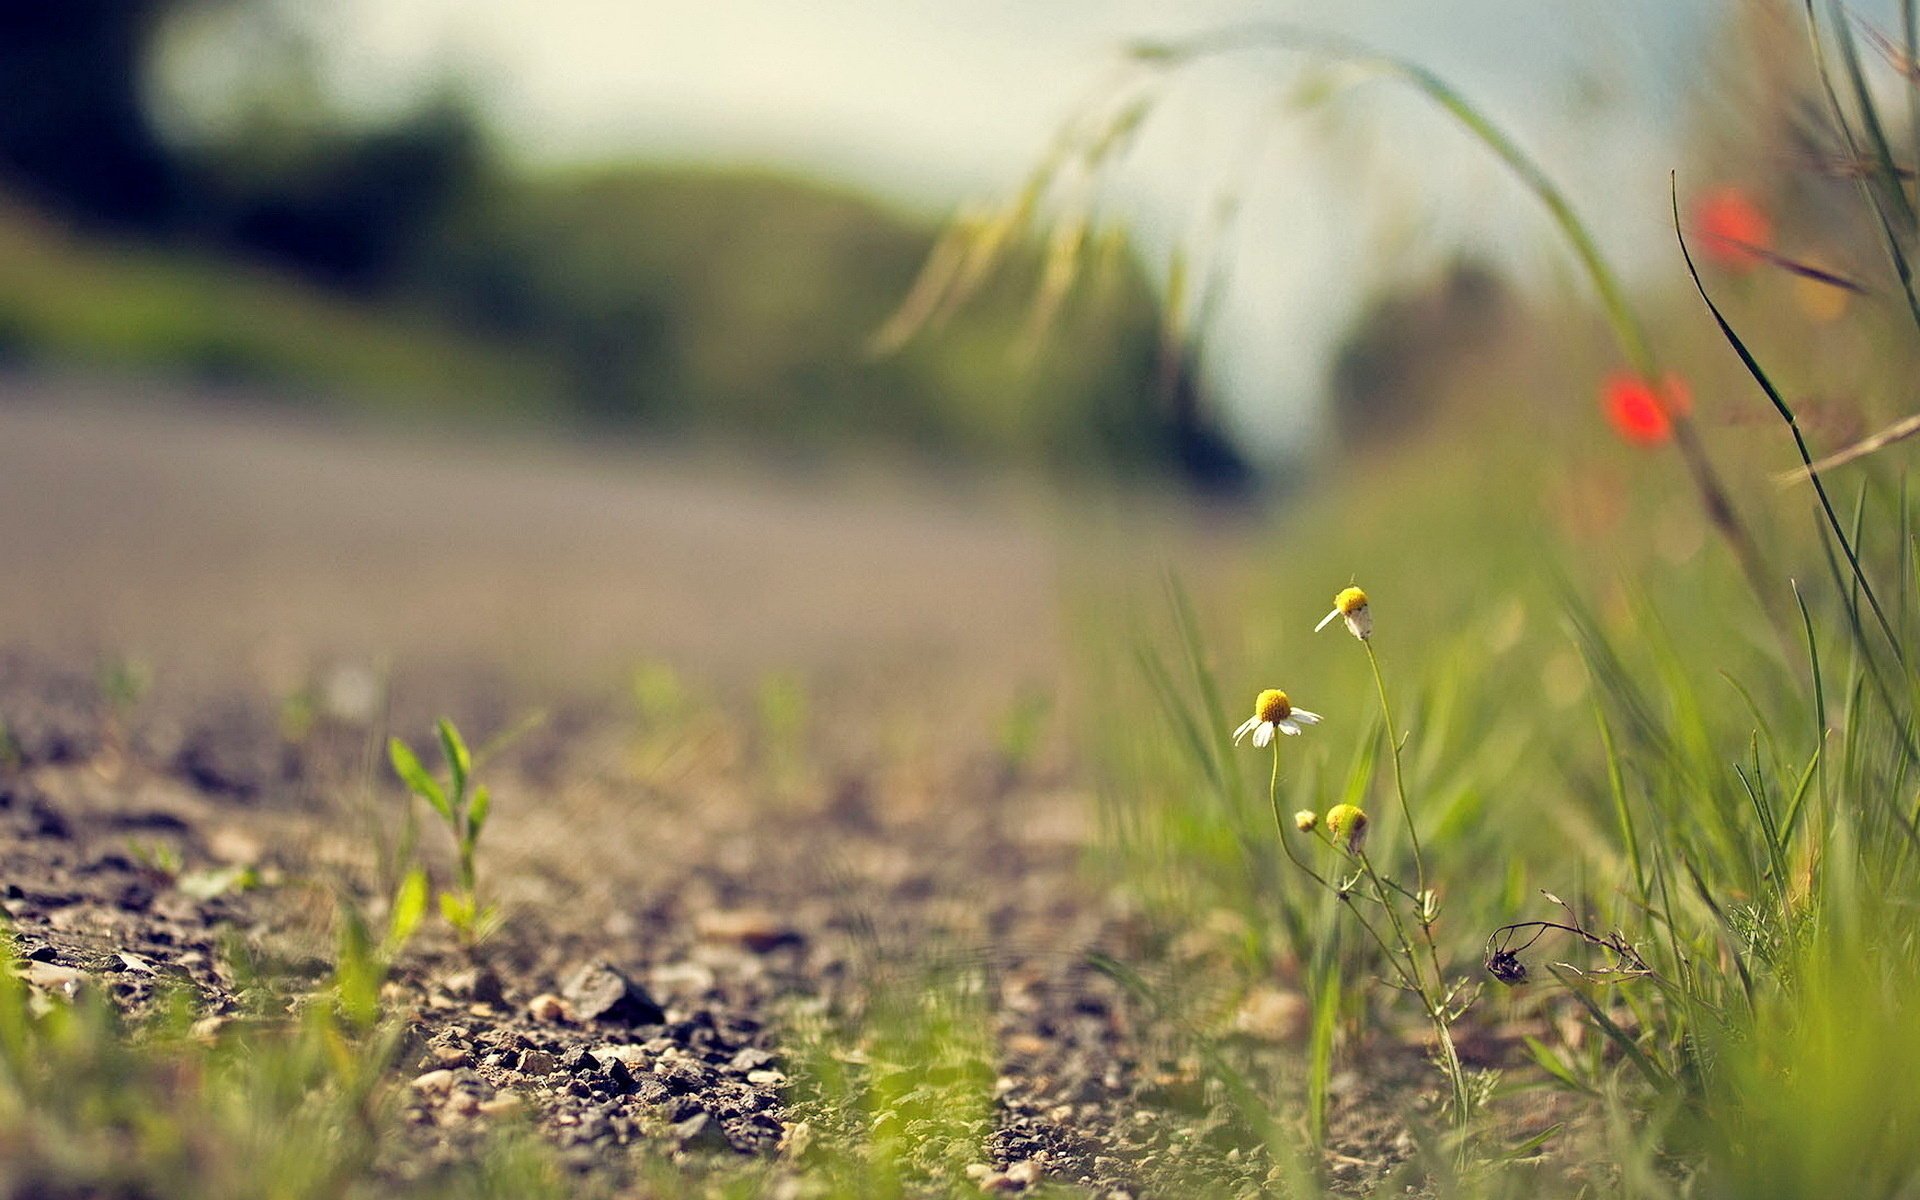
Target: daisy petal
[(1326, 620), (1306, 718), (1263, 736), (1246, 727), (1287, 727)]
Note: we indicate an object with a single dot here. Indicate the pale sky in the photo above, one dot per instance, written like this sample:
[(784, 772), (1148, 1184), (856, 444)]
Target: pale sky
[(929, 104)]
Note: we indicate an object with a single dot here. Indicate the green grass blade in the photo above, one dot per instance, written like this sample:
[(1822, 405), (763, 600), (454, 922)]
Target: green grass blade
[(1659, 1078), (459, 760), (1896, 196), (1623, 812), (406, 764), (1793, 424), (1326, 1013), (1551, 1063), (1205, 683), (1889, 238), (1798, 801)]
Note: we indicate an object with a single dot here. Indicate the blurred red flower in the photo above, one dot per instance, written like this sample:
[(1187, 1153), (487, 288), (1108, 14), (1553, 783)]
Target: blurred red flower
[(1732, 227), (1641, 413)]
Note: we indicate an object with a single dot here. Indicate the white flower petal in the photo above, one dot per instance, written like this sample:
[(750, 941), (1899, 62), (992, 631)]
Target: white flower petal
[(1246, 727), (1288, 727), (1326, 620), (1263, 736), (1306, 718)]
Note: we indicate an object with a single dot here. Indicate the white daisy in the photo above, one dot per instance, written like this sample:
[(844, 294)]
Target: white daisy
[(1350, 604), (1271, 711)]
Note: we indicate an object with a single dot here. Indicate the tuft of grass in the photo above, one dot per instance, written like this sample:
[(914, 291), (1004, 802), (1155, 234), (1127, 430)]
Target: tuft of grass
[(463, 806)]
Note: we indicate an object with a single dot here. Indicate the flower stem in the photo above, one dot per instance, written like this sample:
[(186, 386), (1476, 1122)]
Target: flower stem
[(1422, 907), (1399, 775), (1434, 1002), (1280, 822)]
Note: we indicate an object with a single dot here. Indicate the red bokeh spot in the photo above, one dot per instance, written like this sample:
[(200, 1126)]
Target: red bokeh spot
[(1641, 413), (1732, 227)]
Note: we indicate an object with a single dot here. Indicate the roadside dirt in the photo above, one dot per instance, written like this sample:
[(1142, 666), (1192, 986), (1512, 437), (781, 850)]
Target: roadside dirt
[(207, 626)]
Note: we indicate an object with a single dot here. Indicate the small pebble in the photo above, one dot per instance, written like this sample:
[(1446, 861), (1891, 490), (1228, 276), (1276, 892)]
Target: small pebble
[(502, 1104), (548, 1008), (434, 1083)]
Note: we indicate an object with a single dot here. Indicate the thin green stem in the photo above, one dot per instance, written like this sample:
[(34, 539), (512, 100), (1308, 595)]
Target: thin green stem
[(1280, 822), (1399, 775), (1435, 1003), (1422, 904), (1410, 982)]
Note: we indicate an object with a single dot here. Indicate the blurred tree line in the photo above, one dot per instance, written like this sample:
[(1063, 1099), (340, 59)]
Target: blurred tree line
[(660, 299)]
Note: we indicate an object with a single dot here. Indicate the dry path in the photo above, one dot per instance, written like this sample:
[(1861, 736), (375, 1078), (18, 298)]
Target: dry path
[(199, 534)]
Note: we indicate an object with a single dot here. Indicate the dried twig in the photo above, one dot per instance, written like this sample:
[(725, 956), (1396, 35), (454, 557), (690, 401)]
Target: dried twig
[(1503, 956), (1899, 431)]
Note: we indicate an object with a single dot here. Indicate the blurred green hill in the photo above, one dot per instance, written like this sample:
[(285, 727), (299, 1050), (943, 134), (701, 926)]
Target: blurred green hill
[(395, 261), (652, 301), (746, 303)]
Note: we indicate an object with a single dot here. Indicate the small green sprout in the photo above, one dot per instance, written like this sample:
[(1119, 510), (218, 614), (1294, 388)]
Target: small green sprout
[(464, 807)]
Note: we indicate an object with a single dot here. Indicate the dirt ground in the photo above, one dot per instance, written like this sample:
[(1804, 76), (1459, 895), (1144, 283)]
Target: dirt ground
[(208, 621)]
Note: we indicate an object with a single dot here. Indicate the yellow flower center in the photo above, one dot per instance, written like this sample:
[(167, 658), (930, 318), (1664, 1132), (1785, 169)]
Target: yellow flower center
[(1272, 705), (1350, 601)]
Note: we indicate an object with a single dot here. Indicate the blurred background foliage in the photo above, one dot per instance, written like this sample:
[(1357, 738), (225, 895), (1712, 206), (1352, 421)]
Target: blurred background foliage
[(224, 221)]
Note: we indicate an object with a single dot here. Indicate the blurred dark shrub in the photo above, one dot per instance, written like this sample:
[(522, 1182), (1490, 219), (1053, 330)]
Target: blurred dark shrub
[(75, 130), (345, 205), (1399, 353)]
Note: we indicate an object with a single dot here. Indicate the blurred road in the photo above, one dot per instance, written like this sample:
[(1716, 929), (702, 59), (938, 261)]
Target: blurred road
[(208, 539)]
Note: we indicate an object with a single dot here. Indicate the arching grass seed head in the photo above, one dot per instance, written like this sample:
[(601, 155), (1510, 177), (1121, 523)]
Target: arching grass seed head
[(1351, 606), (1272, 710)]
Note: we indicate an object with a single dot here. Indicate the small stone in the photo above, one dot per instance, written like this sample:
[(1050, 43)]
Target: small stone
[(700, 1132), (64, 982), (504, 1104), (538, 1062), (1026, 1173), (619, 1079), (757, 930), (634, 1058), (766, 1078), (682, 978), (548, 1009), (1027, 1045), (230, 844), (434, 1083), (599, 992), (450, 1056), (479, 984), (750, 1059), (463, 1104), (1274, 1015), (978, 1171), (795, 1139)]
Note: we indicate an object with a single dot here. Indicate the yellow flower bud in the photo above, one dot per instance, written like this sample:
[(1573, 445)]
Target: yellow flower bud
[(1347, 824), (1306, 820)]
